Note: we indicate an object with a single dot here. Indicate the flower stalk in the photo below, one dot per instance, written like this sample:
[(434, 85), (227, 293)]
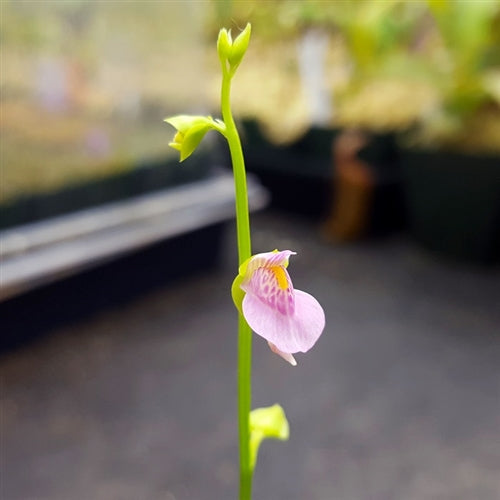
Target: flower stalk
[(290, 320), (244, 253)]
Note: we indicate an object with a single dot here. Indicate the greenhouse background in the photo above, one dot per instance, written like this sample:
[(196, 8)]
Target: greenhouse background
[(371, 132)]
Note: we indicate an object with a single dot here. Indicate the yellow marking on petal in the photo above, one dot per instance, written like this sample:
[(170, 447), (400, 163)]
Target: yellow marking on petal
[(280, 275)]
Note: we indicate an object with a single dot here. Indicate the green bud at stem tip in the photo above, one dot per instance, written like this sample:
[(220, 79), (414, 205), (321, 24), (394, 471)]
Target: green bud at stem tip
[(231, 53), (240, 46), (224, 44)]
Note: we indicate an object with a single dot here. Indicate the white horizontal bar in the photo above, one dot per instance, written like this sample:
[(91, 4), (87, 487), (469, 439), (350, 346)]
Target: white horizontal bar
[(38, 253)]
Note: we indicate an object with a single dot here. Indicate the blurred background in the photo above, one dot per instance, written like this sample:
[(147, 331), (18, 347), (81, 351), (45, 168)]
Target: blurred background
[(371, 132)]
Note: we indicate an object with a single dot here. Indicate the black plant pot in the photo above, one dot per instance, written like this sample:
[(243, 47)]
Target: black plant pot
[(453, 202), (299, 175), (302, 177), (387, 213)]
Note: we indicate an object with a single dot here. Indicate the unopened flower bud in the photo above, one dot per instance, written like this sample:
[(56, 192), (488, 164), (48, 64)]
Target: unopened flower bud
[(240, 46)]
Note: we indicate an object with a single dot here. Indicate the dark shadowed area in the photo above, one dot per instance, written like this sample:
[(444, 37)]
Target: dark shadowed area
[(398, 400)]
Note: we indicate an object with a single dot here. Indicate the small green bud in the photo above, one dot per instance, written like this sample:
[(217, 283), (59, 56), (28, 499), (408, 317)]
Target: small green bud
[(190, 132), (240, 46), (224, 44), (266, 423)]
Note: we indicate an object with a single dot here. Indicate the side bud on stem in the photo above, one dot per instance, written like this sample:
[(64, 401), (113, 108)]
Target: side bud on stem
[(266, 423), (190, 132)]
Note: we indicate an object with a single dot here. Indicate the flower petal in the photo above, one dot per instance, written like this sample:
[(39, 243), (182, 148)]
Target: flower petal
[(266, 259), (190, 131), (273, 286), (285, 355), (297, 332), (192, 138), (264, 275), (181, 122)]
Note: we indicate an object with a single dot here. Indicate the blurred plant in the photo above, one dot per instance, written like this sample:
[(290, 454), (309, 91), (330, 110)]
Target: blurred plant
[(437, 60), (471, 42), (366, 57), (263, 293), (469, 74), (388, 74), (430, 67), (371, 30)]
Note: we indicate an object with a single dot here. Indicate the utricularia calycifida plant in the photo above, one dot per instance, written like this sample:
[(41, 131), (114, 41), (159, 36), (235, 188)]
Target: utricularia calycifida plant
[(290, 320)]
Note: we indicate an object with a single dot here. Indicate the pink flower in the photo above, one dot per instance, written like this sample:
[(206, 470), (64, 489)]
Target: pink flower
[(290, 320)]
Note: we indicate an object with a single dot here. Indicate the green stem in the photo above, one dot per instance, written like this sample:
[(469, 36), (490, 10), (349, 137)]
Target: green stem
[(240, 182), (244, 252)]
